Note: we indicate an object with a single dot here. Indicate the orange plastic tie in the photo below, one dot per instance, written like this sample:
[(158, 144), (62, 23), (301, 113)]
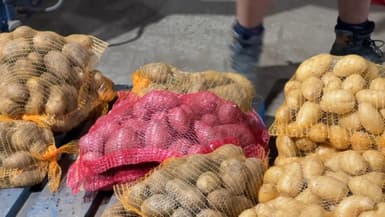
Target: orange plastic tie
[(139, 82)]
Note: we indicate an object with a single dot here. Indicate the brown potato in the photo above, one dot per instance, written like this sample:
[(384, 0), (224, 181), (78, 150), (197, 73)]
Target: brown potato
[(11, 108), (361, 141), (16, 47), (158, 205), (187, 195), (14, 90), (181, 212), (305, 144), (208, 182), (84, 40), (240, 203), (318, 133), (46, 41), (76, 53), (62, 99), (23, 32), (339, 137), (28, 177), (19, 159), (25, 135), (37, 99), (234, 174), (221, 200), (209, 213), (58, 64), (25, 68), (37, 60), (158, 180)]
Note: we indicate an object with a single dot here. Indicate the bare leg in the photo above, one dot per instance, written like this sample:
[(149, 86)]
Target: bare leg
[(353, 11), (250, 13)]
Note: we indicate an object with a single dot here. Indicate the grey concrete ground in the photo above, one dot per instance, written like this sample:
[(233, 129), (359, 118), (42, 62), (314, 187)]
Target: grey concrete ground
[(195, 34)]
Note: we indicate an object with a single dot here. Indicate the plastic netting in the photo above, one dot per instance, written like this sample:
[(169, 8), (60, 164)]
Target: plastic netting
[(162, 76), (28, 153), (118, 210), (49, 78), (221, 183), (139, 131), (347, 183), (335, 100)]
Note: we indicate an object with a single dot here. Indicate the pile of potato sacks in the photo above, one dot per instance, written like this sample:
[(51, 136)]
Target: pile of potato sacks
[(330, 142), (48, 85)]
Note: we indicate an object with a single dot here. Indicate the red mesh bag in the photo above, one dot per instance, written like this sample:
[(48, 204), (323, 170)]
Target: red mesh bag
[(140, 132)]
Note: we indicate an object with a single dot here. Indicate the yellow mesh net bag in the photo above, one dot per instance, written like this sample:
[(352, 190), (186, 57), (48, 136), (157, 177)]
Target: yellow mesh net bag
[(335, 100), (118, 210), (50, 79), (161, 76), (338, 184), (28, 153), (222, 183)]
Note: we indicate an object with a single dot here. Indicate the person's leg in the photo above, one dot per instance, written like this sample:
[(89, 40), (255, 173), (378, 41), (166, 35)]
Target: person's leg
[(248, 34), (353, 31)]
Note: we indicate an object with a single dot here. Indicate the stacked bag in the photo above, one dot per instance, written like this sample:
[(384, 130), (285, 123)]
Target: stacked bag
[(330, 142), (48, 86)]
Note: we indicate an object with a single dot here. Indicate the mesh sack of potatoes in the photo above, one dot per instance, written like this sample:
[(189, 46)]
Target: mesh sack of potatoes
[(340, 184), (28, 153), (162, 76), (337, 100), (50, 78), (118, 210), (222, 183), (160, 124)]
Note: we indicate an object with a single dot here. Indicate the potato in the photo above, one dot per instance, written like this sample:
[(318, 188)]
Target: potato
[(19, 159), (376, 178), (328, 188), (37, 60), (377, 84), (286, 147), (267, 192), (318, 133), (350, 64), (14, 90), (62, 99), (350, 121), (313, 210), (284, 114), (188, 196), (288, 204), (353, 163), (234, 175), (354, 83), (363, 187), (58, 64), (382, 112), (312, 88), (76, 53), (372, 72), (227, 151), (370, 118), (361, 141), (264, 210), (379, 212), (308, 114), (340, 176), (221, 200), (294, 99), (311, 167), (249, 213), (352, 206), (45, 40), (25, 135), (240, 203), (181, 212), (25, 68), (272, 175), (157, 181), (338, 101), (339, 137), (333, 84), (16, 47), (208, 182), (137, 194), (292, 85), (37, 100), (10, 107), (333, 162), (314, 66), (307, 197), (84, 40), (375, 159), (374, 97), (328, 77), (23, 32), (28, 177), (158, 205), (209, 213), (305, 144), (324, 150), (282, 161), (292, 181)]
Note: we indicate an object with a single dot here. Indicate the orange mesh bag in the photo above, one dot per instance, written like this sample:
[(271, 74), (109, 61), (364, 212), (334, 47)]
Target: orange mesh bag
[(50, 79), (28, 153), (118, 210), (334, 100), (161, 76), (348, 183), (222, 183)]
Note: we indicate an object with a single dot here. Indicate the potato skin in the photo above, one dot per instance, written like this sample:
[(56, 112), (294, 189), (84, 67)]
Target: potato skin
[(187, 195), (158, 205), (208, 182), (28, 177), (76, 53), (19, 159)]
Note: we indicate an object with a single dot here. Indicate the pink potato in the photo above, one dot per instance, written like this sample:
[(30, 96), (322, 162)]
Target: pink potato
[(179, 120), (156, 134), (229, 113), (238, 131), (203, 132), (181, 145), (91, 156), (210, 119), (160, 100), (201, 102), (122, 139), (92, 142)]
